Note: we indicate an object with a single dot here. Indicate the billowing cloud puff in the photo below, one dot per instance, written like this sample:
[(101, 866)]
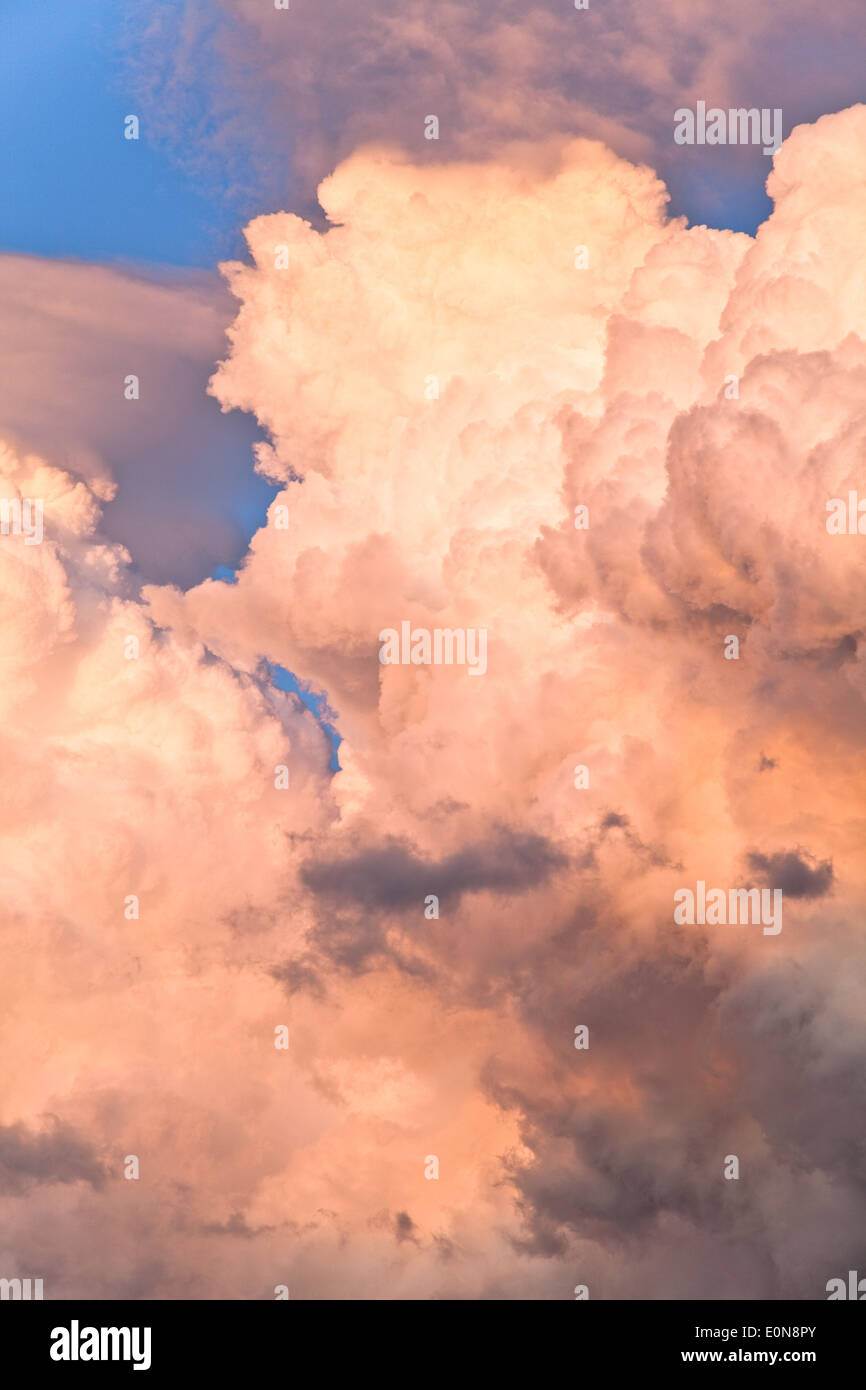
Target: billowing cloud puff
[(522, 402)]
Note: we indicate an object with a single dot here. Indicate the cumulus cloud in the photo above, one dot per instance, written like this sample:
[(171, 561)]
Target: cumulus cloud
[(443, 382)]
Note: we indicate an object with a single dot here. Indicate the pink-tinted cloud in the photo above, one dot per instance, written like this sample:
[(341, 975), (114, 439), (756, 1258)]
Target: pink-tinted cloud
[(443, 381)]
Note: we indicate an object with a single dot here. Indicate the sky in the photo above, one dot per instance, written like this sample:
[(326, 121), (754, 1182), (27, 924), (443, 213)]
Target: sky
[(447, 570), (177, 199), (75, 189)]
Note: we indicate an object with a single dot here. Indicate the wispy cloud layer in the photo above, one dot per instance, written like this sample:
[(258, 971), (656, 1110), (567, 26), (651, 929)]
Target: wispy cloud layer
[(268, 100)]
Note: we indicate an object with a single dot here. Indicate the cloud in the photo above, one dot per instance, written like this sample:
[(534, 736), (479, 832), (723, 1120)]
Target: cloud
[(793, 874), (267, 101), (171, 469), (52, 1156), (442, 383), (392, 877)]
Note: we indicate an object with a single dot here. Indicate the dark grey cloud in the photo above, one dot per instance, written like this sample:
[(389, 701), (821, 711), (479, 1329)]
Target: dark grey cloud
[(702, 1062), (404, 1227), (358, 894), (237, 1225), (795, 872), (55, 1155), (300, 976), (800, 1061), (392, 877), (615, 820)]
